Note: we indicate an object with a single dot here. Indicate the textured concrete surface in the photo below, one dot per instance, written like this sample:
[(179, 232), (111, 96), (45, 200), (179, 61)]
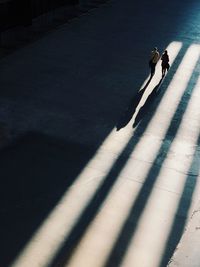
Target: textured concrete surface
[(187, 252), (100, 166)]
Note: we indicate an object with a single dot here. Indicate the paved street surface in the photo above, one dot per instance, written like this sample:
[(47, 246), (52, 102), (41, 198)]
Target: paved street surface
[(99, 163)]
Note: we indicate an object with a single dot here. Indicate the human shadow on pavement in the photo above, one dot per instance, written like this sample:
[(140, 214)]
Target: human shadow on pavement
[(35, 172), (128, 114), (144, 109)]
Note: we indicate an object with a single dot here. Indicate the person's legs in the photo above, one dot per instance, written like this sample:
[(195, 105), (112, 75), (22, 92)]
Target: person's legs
[(167, 66), (153, 66), (163, 71), (164, 68)]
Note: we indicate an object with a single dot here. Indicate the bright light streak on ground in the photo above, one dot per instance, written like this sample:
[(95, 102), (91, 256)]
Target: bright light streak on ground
[(157, 219), (51, 235), (173, 49), (107, 225), (175, 91)]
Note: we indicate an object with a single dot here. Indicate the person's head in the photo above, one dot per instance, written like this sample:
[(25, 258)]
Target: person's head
[(165, 51)]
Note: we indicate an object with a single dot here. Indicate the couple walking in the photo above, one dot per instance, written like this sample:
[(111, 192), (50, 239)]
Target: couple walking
[(155, 56)]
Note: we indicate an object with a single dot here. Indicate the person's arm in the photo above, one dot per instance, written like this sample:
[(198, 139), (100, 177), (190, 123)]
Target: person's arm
[(157, 56), (152, 55)]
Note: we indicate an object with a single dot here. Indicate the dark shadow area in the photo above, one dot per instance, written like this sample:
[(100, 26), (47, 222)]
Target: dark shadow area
[(145, 108), (128, 114), (130, 226), (100, 196), (35, 172), (179, 223)]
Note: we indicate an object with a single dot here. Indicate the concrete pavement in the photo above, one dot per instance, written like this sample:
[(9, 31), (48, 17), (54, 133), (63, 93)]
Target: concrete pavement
[(187, 251), (101, 167)]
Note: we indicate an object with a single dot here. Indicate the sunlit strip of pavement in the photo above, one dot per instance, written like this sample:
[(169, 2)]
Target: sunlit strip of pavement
[(157, 79), (97, 243), (188, 240), (49, 237), (187, 251), (173, 49), (159, 214), (175, 90)]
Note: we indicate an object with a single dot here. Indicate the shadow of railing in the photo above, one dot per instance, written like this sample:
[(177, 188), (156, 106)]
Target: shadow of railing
[(128, 114), (145, 108), (101, 194)]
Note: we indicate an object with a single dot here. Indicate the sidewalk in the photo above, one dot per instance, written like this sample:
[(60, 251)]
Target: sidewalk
[(187, 252), (101, 167)]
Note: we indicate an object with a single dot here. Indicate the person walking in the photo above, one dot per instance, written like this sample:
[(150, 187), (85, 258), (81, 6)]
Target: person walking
[(155, 56), (165, 62)]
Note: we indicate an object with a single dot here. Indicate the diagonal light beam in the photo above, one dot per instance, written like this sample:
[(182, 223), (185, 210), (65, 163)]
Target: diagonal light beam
[(51, 235), (147, 148), (148, 244), (190, 191)]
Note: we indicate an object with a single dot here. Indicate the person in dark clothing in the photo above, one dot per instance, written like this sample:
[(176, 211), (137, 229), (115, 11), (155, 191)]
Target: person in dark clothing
[(165, 62)]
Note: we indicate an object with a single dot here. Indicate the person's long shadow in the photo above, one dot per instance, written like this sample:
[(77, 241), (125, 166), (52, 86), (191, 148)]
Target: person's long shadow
[(130, 110), (144, 109)]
